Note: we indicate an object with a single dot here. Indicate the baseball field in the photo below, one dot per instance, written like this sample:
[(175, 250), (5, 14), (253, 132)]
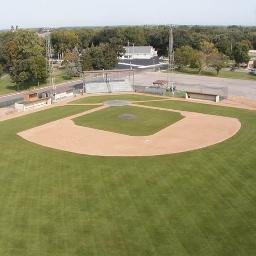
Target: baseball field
[(59, 203)]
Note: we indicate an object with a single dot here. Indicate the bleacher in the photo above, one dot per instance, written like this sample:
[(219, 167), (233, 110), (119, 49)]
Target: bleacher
[(97, 87), (121, 86), (109, 86)]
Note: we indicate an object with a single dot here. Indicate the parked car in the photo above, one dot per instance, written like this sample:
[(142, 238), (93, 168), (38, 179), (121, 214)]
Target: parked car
[(253, 71), (233, 68)]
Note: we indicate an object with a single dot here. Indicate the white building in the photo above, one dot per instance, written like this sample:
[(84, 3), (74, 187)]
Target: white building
[(140, 57), (139, 52)]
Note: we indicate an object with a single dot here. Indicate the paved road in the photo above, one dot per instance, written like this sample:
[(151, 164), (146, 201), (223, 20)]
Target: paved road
[(245, 88), (10, 99)]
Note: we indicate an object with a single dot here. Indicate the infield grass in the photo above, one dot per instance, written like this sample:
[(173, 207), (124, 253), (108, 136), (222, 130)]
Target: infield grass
[(200, 203), (144, 122)]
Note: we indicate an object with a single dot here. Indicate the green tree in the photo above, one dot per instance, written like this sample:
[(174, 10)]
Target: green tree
[(86, 60), (158, 38), (241, 53), (1, 70), (111, 54), (218, 61), (184, 56), (103, 56), (97, 57), (223, 44), (72, 63), (24, 55), (38, 68), (197, 60), (85, 38), (208, 49), (64, 40), (254, 42)]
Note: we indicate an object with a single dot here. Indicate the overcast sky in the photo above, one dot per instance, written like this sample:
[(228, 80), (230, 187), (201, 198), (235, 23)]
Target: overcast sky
[(56, 13)]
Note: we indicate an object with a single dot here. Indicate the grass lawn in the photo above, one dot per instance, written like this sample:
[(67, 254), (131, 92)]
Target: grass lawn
[(6, 85), (200, 203), (145, 122), (102, 98), (222, 74)]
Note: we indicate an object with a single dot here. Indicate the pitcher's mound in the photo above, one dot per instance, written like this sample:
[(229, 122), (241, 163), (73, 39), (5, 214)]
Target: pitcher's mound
[(127, 117)]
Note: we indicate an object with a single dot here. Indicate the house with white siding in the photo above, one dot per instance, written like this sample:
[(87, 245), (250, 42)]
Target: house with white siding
[(139, 57), (139, 52)]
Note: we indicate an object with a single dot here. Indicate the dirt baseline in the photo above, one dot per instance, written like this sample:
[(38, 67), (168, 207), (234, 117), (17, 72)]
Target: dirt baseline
[(193, 132)]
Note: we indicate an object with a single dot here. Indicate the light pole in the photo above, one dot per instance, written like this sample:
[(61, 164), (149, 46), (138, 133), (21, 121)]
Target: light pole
[(171, 61)]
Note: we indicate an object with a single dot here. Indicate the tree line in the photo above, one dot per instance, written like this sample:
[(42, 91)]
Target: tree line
[(22, 53)]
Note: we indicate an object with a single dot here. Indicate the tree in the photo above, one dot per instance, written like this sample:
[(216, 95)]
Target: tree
[(103, 56), (197, 60), (247, 43), (72, 63), (223, 44), (187, 56), (241, 53), (38, 68), (218, 61), (1, 70), (64, 40), (85, 38), (158, 38), (71, 70), (111, 55), (182, 38), (184, 56), (208, 49), (97, 57), (254, 42), (86, 60), (24, 55)]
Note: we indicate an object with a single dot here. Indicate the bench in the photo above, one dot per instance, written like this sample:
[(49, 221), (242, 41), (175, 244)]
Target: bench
[(202, 96)]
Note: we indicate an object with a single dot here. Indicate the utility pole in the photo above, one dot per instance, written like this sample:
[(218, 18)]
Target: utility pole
[(132, 55), (129, 54), (49, 66), (171, 61)]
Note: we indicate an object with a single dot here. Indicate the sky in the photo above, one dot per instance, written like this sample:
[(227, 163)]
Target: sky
[(62, 13)]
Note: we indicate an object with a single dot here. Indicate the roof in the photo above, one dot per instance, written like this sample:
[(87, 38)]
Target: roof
[(138, 49), (142, 62)]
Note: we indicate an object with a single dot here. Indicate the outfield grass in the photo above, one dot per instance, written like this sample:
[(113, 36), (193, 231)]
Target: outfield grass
[(146, 121), (102, 98), (222, 74), (196, 203)]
